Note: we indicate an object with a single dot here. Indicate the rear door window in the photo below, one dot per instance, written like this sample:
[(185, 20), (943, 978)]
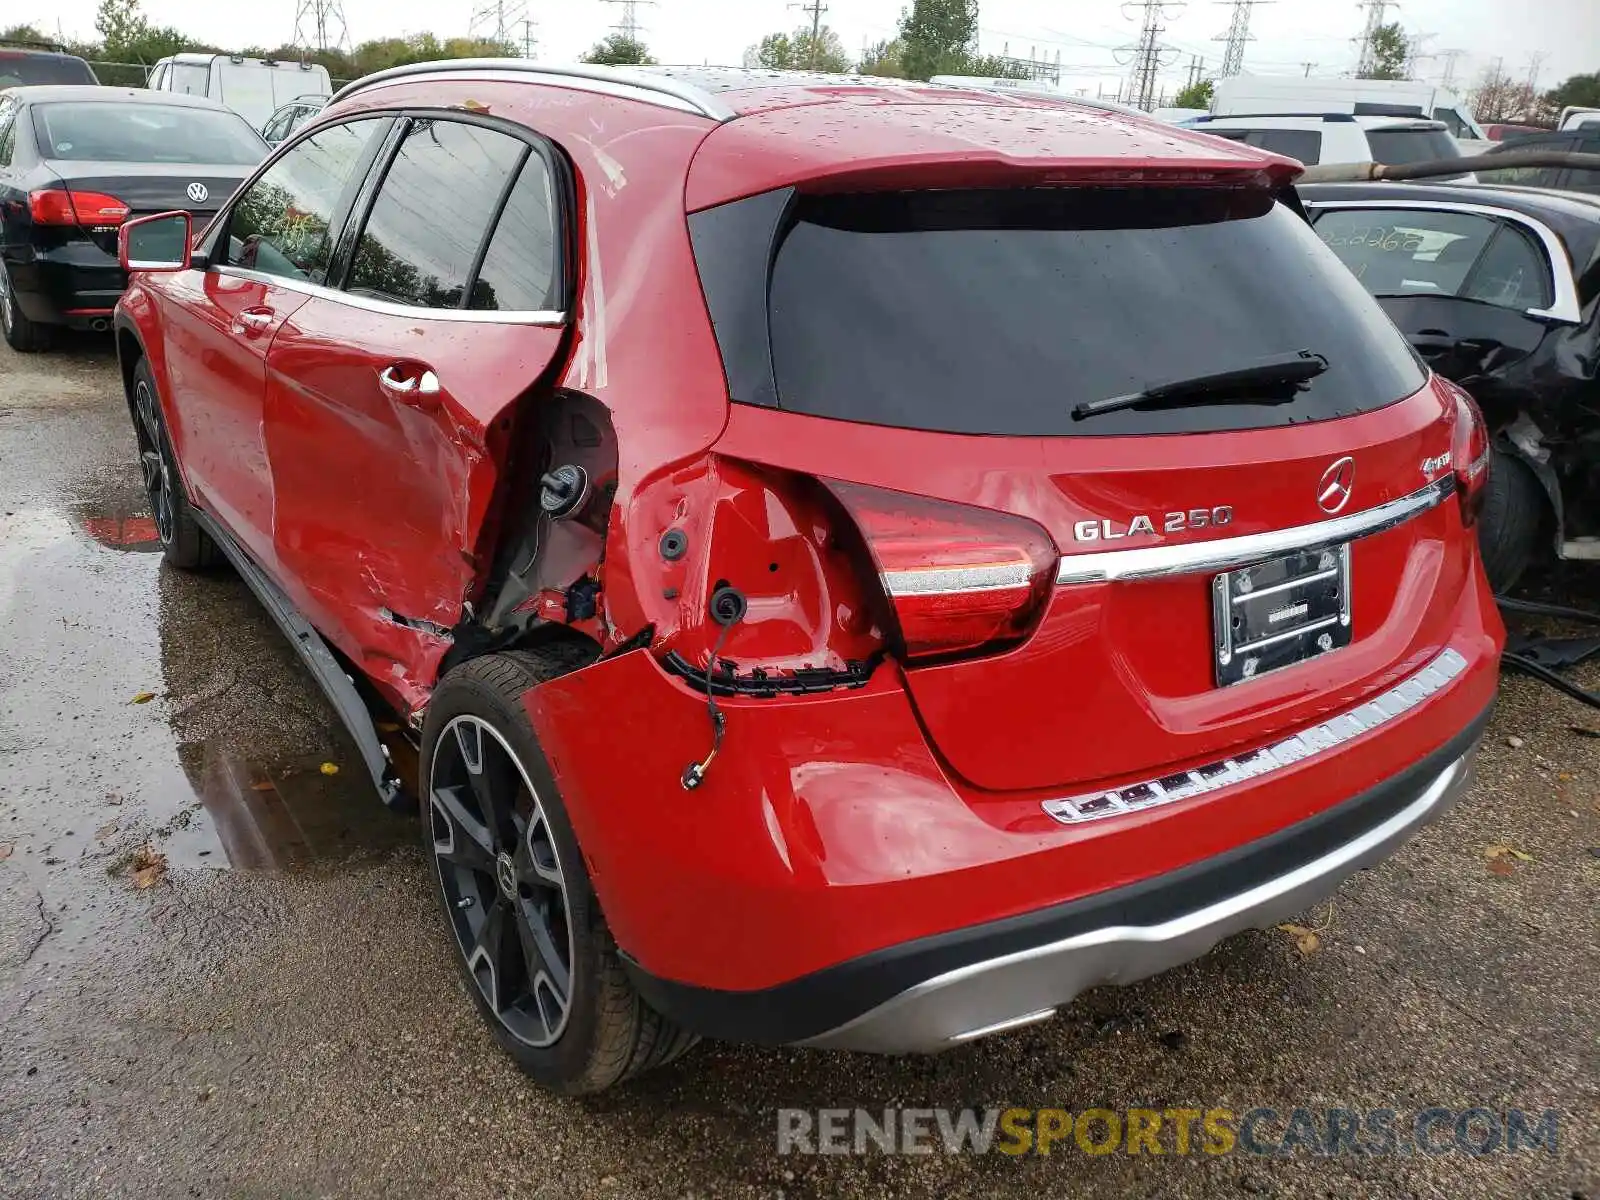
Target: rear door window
[(998, 311), (282, 223), (432, 212), (1415, 252), (519, 267), (1395, 146), (190, 78)]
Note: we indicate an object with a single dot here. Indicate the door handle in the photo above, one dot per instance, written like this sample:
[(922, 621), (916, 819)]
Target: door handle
[(253, 321), (405, 386)]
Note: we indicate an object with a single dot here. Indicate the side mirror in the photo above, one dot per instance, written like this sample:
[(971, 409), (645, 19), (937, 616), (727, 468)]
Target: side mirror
[(155, 243)]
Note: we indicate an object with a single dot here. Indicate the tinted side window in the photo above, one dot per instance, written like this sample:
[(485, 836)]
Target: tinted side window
[(432, 212), (1529, 176), (280, 225), (1453, 122), (1304, 144), (519, 270), (1511, 273)]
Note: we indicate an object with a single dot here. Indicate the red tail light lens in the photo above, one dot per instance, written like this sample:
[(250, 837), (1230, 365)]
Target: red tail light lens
[(958, 579), (88, 209), (1469, 456)]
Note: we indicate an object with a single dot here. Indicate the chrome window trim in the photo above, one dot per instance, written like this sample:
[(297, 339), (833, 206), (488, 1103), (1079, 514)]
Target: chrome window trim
[(648, 87), (1309, 743), (1565, 308), (543, 317), (1223, 554)]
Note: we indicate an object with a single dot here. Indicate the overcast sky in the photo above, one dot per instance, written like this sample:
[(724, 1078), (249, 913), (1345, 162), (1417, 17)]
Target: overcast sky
[(1086, 33)]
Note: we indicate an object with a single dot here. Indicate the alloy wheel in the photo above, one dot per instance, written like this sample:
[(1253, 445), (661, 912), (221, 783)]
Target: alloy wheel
[(7, 316), (153, 462), (501, 877)]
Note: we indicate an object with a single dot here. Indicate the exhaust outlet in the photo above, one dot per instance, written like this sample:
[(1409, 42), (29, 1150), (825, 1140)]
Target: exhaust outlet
[(100, 324)]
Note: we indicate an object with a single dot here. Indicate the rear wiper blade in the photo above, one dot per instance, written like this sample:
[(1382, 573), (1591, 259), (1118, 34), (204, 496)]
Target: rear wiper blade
[(1295, 368)]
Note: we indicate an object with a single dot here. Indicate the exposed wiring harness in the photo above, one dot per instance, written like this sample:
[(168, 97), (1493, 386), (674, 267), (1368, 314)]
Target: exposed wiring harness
[(1525, 665), (728, 607)]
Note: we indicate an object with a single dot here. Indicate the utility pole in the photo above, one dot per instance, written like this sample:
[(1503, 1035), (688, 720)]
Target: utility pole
[(528, 40), (1236, 37), (1149, 55), (1310, 67), (1197, 66), (1367, 62), (816, 8)]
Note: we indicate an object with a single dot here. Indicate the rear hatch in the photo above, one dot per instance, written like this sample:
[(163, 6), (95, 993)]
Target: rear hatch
[(938, 343)]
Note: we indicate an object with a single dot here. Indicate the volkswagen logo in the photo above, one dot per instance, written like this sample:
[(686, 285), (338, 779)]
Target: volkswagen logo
[(198, 192), (1333, 491)]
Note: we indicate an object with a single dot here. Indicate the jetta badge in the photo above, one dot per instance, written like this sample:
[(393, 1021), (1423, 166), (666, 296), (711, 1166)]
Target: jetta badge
[(198, 192), (1333, 492)]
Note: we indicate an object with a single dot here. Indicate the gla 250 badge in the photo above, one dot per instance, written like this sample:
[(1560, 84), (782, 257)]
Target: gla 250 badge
[(1107, 530)]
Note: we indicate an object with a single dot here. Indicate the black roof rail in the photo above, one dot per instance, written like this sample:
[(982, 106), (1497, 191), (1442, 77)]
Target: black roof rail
[(1321, 116)]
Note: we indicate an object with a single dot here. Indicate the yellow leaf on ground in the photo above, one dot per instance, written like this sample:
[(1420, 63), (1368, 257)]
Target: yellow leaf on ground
[(149, 865), (330, 768), (1506, 852), (143, 698), (1307, 943), (1499, 866)]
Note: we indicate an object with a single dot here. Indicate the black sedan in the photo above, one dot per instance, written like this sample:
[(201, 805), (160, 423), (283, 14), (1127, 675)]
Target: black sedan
[(1498, 288), (75, 163)]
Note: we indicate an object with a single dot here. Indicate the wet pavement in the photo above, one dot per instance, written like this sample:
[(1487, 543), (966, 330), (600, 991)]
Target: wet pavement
[(274, 1014)]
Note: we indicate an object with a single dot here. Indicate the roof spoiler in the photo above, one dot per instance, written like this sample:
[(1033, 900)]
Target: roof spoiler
[(1432, 169)]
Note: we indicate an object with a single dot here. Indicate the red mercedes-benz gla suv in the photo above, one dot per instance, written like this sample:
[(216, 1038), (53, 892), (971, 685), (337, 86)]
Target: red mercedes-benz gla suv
[(863, 562)]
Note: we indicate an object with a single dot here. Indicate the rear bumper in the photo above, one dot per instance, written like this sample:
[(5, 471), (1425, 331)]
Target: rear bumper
[(944, 990), (76, 285)]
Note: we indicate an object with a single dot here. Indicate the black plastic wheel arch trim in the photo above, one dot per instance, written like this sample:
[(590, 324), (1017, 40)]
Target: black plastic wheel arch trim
[(814, 1004)]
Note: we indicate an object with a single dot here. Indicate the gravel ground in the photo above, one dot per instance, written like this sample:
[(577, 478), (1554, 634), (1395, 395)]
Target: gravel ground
[(276, 1015)]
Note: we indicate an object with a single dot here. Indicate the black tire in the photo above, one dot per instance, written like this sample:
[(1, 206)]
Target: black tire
[(21, 333), (183, 543), (1512, 521), (606, 1033)]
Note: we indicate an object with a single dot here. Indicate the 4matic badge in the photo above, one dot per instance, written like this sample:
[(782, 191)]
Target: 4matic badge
[(1107, 530)]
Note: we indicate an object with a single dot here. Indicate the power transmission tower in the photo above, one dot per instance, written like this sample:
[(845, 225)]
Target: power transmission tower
[(629, 26), (498, 21), (1236, 37), (1149, 55), (528, 40), (1450, 57), (1367, 62), (320, 25), (816, 8), (1414, 54), (1534, 63), (1197, 67)]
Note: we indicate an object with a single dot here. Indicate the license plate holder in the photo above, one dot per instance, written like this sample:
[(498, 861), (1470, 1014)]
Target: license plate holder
[(1281, 612)]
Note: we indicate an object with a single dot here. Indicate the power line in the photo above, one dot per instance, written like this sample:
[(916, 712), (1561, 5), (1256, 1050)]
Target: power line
[(1236, 37), (498, 21)]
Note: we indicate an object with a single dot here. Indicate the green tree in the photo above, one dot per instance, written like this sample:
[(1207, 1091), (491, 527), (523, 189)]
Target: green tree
[(1196, 95), (122, 25), (24, 33), (1389, 53), (619, 50), (1582, 90), (937, 37), (799, 52), (884, 59)]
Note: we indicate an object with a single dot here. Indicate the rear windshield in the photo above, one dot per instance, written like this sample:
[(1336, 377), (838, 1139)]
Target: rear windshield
[(18, 68), (96, 131), (999, 311)]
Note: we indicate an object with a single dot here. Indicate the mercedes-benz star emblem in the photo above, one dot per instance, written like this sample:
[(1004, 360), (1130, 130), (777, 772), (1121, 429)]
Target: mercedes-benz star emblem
[(505, 876), (1333, 492), (198, 192)]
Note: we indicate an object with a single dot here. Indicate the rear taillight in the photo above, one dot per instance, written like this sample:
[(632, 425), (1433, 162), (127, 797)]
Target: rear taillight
[(1469, 456), (91, 210), (958, 579)]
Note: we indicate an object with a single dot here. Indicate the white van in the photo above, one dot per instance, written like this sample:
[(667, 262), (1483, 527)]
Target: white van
[(1578, 116), (1293, 95), (253, 87)]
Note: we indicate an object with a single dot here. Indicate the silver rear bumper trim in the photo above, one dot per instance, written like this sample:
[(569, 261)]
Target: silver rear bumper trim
[(1016, 989), (1224, 554)]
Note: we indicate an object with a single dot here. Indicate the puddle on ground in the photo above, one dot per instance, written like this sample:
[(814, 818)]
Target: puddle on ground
[(142, 705)]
